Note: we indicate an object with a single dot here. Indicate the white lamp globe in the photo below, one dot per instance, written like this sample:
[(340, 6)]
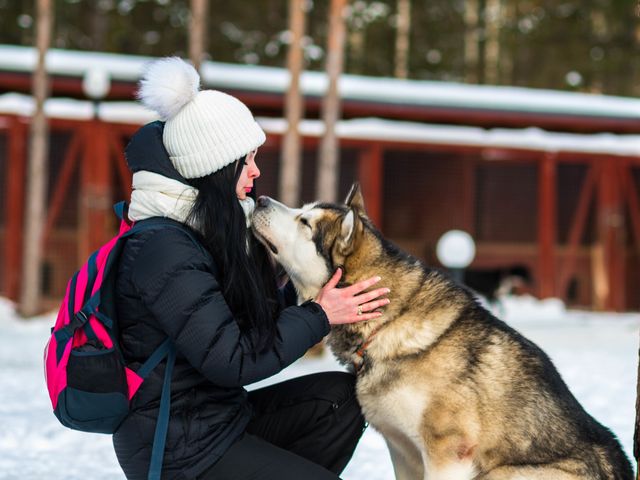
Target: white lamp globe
[(96, 83), (456, 249)]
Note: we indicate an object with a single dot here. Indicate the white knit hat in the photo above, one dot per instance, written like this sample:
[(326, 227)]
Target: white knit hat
[(204, 130)]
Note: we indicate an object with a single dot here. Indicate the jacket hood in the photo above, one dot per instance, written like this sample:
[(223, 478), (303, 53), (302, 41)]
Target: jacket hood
[(146, 151)]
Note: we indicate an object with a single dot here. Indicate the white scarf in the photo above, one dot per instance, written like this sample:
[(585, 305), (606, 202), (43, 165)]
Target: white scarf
[(155, 195)]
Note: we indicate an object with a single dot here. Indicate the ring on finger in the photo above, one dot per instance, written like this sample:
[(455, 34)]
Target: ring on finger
[(359, 310)]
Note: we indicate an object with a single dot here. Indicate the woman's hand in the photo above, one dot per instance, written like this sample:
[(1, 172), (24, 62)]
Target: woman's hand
[(349, 305)]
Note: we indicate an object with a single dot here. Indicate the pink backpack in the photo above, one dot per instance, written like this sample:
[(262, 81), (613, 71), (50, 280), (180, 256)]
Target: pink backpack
[(89, 384)]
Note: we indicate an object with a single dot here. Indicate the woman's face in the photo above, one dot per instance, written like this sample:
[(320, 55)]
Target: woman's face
[(250, 172)]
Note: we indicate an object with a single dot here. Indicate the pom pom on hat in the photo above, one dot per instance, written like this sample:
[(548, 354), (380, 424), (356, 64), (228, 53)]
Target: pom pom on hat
[(168, 85), (205, 130)]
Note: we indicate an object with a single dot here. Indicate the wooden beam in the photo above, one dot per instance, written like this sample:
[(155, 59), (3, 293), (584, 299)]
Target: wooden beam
[(62, 185), (629, 190), (577, 228), (95, 193), (370, 166), (611, 240), (116, 148), (271, 104), (469, 179), (14, 197), (547, 227)]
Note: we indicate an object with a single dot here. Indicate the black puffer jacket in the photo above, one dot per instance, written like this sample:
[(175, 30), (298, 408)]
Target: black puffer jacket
[(168, 286)]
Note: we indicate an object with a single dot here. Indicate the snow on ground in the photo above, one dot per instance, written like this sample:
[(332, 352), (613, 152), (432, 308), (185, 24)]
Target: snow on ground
[(597, 355)]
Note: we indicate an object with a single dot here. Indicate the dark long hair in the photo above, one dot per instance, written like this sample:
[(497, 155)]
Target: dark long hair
[(247, 273)]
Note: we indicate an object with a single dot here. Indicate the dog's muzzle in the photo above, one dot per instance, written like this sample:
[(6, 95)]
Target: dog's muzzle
[(260, 222)]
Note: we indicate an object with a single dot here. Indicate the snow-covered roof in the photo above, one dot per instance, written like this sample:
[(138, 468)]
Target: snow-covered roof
[(412, 132), (352, 87), (358, 129)]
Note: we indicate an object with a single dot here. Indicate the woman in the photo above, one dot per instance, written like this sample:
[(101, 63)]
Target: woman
[(217, 300)]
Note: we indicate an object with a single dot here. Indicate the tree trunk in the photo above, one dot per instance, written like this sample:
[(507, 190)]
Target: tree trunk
[(31, 292), (471, 41), (356, 50), (508, 51), (197, 31), (493, 18), (328, 166), (403, 28), (294, 108), (99, 26)]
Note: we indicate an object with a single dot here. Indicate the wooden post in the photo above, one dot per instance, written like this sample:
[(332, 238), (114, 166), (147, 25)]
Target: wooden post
[(294, 108), (403, 28), (95, 195), (631, 195), (611, 239), (198, 32), (469, 195), (14, 197), (547, 235), (576, 231), (117, 155), (30, 296), (329, 165), (370, 165), (61, 189)]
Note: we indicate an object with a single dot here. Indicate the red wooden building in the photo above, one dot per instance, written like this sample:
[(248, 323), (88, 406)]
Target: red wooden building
[(541, 179)]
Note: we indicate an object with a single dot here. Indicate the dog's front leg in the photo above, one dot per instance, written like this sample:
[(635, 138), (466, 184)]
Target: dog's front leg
[(452, 471), (405, 458), (441, 462)]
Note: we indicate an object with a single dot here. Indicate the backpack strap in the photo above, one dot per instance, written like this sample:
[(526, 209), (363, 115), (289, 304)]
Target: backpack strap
[(119, 208), (154, 359), (166, 349), (162, 425)]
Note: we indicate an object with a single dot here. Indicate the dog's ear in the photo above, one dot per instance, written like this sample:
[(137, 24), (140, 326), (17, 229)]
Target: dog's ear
[(355, 200), (351, 224), (348, 226)]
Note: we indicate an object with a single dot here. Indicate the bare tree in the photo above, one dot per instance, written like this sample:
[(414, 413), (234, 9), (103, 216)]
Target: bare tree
[(31, 291), (492, 18), (403, 28), (510, 15), (327, 180), (356, 47), (471, 40), (197, 31), (294, 108), (99, 20)]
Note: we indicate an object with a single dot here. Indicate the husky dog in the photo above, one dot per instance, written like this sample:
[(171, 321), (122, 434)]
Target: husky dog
[(456, 393)]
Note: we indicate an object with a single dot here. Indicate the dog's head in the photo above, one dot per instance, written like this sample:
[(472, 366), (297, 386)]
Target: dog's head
[(312, 241)]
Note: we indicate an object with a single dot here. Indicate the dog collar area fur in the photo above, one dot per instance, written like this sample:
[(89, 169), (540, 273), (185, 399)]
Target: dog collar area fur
[(361, 351)]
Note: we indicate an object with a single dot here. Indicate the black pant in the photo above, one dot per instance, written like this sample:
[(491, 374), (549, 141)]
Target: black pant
[(305, 428)]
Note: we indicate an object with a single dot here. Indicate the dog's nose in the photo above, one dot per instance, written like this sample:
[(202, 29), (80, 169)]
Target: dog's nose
[(263, 201)]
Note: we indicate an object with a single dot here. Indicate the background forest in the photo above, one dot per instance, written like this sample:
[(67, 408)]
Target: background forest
[(582, 45)]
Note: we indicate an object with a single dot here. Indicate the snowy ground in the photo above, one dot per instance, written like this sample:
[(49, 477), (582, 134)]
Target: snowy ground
[(597, 354)]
